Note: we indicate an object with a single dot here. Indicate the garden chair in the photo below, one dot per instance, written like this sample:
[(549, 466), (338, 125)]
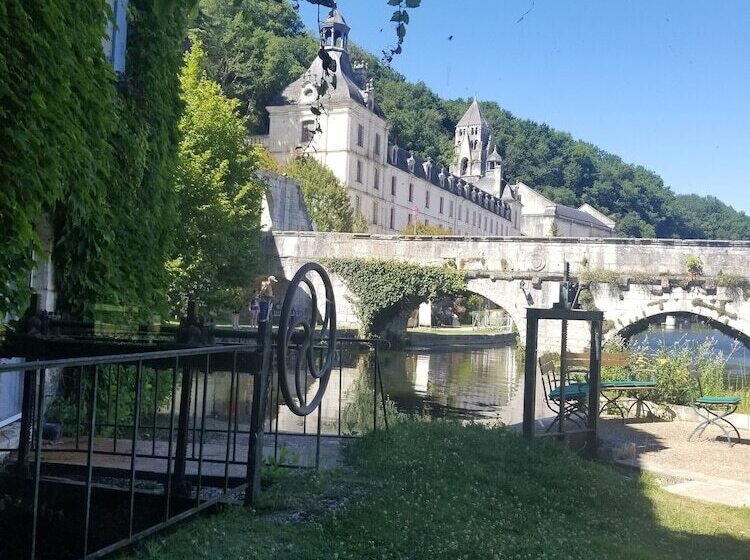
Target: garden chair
[(713, 410), (576, 395)]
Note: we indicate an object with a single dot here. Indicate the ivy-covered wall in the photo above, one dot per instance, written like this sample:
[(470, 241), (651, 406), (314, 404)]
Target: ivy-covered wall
[(384, 289), (94, 151)]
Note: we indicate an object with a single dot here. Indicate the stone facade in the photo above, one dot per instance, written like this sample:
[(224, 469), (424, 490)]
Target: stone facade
[(642, 278), (389, 186), (346, 130), (283, 205), (540, 217)]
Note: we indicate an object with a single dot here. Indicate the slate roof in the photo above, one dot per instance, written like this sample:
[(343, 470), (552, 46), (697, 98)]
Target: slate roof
[(473, 116), (406, 161), (346, 84), (334, 17)]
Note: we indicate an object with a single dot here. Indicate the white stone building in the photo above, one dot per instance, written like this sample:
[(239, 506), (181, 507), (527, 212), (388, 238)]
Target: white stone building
[(345, 129)]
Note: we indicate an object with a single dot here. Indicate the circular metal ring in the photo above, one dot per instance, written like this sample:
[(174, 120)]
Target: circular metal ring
[(299, 335)]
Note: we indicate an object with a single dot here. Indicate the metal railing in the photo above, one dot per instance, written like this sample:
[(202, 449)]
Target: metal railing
[(150, 438)]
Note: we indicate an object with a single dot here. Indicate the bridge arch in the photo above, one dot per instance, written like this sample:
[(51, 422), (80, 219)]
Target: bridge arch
[(723, 319)]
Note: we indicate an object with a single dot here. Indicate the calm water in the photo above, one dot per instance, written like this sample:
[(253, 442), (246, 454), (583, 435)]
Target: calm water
[(738, 362), (463, 382)]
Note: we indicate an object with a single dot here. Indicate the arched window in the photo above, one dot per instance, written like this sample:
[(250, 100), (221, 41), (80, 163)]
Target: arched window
[(464, 166)]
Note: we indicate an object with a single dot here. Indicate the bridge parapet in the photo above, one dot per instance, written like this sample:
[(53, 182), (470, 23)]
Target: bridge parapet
[(630, 279)]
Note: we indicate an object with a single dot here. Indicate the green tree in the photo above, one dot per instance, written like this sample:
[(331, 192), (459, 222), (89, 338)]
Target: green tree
[(326, 198), (254, 48), (219, 196)]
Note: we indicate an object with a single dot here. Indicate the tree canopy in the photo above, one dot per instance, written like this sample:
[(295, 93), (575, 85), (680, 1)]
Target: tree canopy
[(219, 196), (327, 200)]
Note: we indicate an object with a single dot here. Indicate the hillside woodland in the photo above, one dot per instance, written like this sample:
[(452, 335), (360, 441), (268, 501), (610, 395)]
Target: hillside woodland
[(254, 52)]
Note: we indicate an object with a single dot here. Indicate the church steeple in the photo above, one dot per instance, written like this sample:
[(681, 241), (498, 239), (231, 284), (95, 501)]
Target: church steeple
[(472, 142), (334, 32)]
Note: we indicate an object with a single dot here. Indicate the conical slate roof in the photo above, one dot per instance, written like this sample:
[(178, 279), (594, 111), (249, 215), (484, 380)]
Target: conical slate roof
[(473, 116), (495, 156), (335, 17)]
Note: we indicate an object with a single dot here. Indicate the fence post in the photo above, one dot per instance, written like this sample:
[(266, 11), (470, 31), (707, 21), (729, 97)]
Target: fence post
[(258, 412)]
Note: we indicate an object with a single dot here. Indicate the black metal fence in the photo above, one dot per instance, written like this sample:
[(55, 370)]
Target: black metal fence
[(129, 444)]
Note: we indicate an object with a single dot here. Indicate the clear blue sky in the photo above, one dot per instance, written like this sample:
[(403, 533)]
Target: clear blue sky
[(661, 83)]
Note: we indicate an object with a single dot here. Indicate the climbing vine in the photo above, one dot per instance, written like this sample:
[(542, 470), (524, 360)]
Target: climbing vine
[(381, 288), (92, 150)]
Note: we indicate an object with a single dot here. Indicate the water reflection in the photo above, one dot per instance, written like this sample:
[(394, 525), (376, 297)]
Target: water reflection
[(463, 383)]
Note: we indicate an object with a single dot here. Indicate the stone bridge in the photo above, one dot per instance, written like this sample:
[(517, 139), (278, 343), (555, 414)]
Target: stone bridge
[(630, 280)]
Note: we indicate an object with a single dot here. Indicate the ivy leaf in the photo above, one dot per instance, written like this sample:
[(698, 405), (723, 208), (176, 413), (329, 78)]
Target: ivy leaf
[(315, 111), (413, 3)]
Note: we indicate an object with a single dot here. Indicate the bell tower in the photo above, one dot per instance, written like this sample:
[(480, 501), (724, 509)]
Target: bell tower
[(471, 141)]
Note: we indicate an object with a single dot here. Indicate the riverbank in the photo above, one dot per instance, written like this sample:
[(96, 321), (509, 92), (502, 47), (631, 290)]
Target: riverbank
[(459, 336), (442, 490)]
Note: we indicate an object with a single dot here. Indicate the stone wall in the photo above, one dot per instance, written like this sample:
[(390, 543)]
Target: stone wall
[(640, 278), (284, 205)]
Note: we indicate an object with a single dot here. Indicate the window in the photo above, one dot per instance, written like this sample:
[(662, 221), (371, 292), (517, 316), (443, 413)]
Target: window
[(450, 209), (427, 222), (411, 192), (357, 203), (359, 171), (408, 219), (376, 149), (308, 131), (485, 223), (426, 198), (376, 182), (467, 215), (393, 185), (375, 212), (393, 218), (474, 218), (360, 135), (440, 205)]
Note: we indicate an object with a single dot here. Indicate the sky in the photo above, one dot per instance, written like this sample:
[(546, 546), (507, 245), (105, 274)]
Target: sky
[(661, 83)]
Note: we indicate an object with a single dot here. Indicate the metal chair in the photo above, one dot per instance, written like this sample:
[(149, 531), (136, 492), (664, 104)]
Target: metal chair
[(713, 410), (576, 395)]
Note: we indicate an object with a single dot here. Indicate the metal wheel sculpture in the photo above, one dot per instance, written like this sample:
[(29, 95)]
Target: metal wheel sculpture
[(299, 341)]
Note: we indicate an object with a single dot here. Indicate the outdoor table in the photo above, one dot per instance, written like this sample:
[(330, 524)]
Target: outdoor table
[(638, 389)]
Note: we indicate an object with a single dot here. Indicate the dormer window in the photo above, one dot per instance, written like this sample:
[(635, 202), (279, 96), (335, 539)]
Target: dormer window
[(308, 94)]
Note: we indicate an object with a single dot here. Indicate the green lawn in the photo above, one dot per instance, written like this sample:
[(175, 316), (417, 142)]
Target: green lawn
[(441, 490)]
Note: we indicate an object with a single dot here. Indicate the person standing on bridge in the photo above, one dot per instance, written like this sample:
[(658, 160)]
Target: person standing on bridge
[(266, 299)]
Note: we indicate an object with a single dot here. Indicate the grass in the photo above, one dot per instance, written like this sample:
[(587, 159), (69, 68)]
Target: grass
[(443, 490)]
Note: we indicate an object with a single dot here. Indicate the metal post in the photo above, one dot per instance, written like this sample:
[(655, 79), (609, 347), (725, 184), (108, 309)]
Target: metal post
[(90, 458), (529, 380), (180, 485), (37, 457), (134, 443), (168, 489), (595, 364), (27, 420), (257, 415), (563, 376)]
